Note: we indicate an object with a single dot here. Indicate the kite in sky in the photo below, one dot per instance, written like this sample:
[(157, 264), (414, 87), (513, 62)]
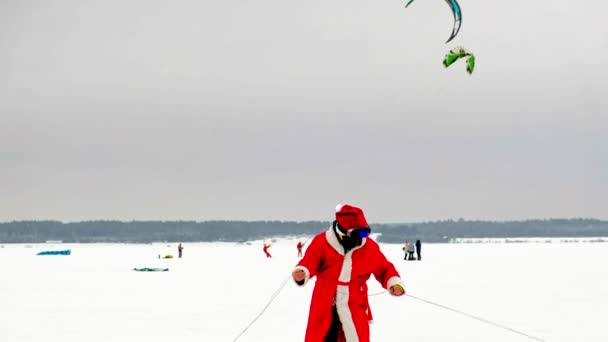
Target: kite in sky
[(457, 16), (458, 53)]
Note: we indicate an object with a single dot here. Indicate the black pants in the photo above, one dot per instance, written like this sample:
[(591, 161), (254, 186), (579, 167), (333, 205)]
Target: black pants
[(335, 329)]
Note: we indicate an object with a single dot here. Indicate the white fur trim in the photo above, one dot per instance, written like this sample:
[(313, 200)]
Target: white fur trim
[(347, 268), (342, 297), (394, 281), (346, 318), (339, 207), (331, 238), (306, 274)]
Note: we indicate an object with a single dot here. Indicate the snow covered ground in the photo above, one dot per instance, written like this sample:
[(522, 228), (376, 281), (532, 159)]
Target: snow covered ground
[(554, 291)]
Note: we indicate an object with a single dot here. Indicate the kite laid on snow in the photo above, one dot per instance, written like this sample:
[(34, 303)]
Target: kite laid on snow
[(458, 53), (457, 16)]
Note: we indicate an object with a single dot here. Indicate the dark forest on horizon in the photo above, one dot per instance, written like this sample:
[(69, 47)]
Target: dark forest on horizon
[(242, 231)]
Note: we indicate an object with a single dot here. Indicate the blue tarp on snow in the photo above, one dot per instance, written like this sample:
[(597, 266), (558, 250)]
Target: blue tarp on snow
[(66, 252)]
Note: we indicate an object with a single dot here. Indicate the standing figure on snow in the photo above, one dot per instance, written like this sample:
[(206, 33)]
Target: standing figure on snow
[(411, 248), (300, 245), (343, 258), (180, 248), (405, 249), (266, 246), (418, 249)]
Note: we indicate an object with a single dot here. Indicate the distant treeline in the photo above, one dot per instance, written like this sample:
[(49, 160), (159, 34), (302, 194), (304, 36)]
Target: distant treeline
[(444, 231), (240, 231)]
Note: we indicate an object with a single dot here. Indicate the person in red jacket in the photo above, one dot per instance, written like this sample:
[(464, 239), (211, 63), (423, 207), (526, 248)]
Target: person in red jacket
[(343, 258), (300, 245), (266, 246)]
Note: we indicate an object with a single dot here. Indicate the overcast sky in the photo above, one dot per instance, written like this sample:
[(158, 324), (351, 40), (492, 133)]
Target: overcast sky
[(281, 109)]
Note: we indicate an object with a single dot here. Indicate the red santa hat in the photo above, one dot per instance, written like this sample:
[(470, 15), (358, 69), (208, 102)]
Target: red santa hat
[(350, 217)]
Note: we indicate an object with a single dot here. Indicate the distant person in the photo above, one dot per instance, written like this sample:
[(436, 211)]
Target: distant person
[(180, 248), (343, 258), (300, 245), (266, 246), (411, 248), (418, 249), (405, 249)]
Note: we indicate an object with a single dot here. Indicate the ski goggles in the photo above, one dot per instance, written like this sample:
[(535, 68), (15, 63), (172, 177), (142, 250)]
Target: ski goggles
[(358, 233)]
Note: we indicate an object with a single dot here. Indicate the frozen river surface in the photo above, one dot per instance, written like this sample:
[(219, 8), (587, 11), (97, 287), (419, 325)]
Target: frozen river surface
[(551, 291)]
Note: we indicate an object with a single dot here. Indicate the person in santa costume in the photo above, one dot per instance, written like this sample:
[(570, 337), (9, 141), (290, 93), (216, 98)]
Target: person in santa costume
[(343, 258), (265, 249)]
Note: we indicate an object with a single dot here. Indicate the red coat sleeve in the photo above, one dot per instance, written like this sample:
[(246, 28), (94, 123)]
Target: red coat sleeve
[(313, 258), (384, 271)]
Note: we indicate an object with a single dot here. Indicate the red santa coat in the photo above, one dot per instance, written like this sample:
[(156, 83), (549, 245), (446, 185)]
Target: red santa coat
[(344, 277)]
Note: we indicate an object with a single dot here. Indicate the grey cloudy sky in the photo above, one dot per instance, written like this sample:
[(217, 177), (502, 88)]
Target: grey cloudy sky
[(277, 109)]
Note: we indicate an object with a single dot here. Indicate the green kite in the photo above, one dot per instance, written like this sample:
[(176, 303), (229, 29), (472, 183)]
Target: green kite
[(458, 53)]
